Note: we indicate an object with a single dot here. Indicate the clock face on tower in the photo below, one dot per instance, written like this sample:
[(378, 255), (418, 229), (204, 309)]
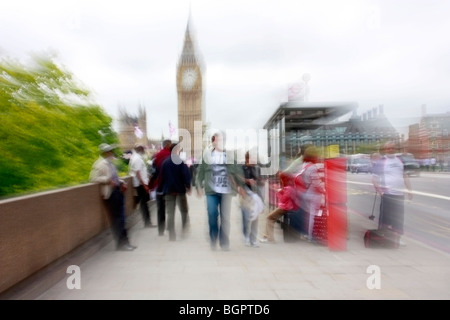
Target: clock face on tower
[(188, 78)]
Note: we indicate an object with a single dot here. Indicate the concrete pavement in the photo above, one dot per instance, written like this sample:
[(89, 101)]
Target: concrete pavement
[(188, 269)]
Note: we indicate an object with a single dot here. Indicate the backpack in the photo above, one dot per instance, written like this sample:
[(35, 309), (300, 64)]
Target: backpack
[(381, 238)]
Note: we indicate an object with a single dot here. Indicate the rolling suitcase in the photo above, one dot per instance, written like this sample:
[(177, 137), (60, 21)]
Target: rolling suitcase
[(383, 238)]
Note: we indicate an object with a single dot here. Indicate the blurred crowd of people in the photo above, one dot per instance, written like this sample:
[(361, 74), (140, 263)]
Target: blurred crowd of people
[(168, 179)]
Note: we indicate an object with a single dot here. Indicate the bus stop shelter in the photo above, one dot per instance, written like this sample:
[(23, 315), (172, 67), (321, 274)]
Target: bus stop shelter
[(295, 123)]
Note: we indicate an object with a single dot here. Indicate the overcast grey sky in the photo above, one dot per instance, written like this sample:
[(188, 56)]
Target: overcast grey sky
[(395, 53)]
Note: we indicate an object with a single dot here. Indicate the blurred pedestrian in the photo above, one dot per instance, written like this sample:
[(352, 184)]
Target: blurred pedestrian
[(193, 170), (287, 178), (390, 181), (312, 197), (138, 172), (175, 184), (252, 177), (112, 188), (158, 159), (220, 181)]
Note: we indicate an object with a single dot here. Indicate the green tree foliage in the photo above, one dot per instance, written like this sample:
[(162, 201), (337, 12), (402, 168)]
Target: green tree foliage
[(50, 127)]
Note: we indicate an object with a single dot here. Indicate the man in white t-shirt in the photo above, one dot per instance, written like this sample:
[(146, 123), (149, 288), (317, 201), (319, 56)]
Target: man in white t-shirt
[(219, 180), (390, 181), (138, 171)]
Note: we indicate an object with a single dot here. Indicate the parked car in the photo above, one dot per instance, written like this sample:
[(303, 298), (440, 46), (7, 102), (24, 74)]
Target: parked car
[(411, 165), (361, 164)]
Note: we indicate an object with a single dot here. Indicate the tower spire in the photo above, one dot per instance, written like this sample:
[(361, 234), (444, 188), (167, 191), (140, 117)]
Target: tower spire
[(188, 54), (190, 85), (190, 14)]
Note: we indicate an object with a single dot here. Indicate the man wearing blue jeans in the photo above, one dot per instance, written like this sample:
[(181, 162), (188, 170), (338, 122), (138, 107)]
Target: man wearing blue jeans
[(219, 207), (220, 181)]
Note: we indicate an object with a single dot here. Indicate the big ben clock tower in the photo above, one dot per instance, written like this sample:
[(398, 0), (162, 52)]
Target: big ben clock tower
[(190, 91)]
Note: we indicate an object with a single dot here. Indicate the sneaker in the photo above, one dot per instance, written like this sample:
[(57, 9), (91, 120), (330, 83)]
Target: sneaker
[(126, 247), (401, 243), (266, 240), (254, 244)]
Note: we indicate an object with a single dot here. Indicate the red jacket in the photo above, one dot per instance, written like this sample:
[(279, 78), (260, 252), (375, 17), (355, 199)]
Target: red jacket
[(159, 158)]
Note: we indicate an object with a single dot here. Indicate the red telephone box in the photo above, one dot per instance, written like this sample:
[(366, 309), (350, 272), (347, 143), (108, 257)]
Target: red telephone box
[(336, 202)]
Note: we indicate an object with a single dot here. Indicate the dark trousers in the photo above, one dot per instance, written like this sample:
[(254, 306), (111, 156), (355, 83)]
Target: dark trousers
[(172, 201), (392, 212), (142, 200), (161, 205), (116, 209)]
